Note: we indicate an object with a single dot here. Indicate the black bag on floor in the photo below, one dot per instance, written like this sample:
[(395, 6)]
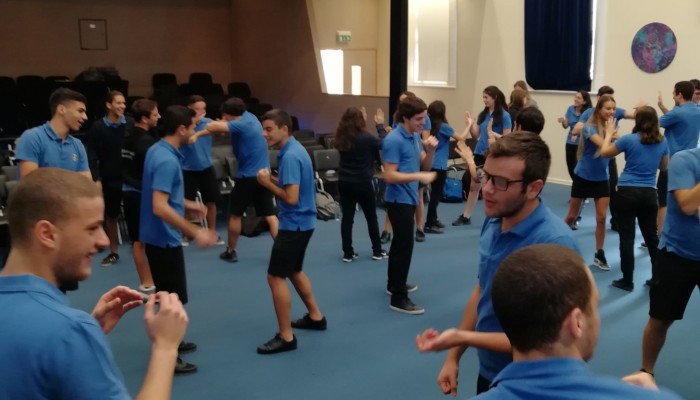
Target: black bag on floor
[(252, 225)]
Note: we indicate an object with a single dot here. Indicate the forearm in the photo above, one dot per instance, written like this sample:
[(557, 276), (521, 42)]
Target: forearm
[(159, 377), (493, 341), (689, 200), (191, 205), (427, 163), (396, 177), (468, 323), (280, 193), (172, 218), (578, 128)]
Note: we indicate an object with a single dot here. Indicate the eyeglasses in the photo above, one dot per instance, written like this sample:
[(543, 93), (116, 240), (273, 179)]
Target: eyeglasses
[(499, 182)]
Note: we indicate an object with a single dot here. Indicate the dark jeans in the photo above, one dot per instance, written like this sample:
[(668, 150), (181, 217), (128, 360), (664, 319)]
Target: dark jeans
[(571, 158), (613, 188), (640, 203), (436, 188), (351, 194), (402, 217)]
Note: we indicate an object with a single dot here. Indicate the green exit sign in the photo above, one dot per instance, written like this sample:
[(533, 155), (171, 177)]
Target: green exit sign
[(344, 36)]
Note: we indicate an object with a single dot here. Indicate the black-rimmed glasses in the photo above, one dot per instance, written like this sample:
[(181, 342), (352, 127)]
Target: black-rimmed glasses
[(499, 182)]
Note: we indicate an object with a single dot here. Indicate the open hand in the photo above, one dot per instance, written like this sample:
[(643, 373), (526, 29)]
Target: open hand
[(379, 117), (113, 304)]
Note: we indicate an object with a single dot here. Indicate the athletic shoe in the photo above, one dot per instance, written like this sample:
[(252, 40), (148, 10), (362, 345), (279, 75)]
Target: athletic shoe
[(185, 241), (385, 238), (623, 284), (350, 257), (600, 261), (111, 259), (644, 245), (219, 241), (186, 347), (574, 225), (277, 345), (380, 255), (420, 236), (438, 223), (433, 229), (183, 367), (462, 220), (651, 282), (406, 306), (229, 256), (310, 324), (410, 288)]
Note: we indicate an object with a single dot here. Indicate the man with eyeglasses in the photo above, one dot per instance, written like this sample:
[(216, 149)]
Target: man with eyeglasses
[(513, 176)]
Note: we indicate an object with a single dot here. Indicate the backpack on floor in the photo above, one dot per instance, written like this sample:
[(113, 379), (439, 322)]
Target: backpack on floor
[(452, 192), (326, 206)]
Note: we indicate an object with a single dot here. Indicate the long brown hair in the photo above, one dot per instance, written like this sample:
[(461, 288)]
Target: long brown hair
[(595, 120), (351, 124), (646, 124)]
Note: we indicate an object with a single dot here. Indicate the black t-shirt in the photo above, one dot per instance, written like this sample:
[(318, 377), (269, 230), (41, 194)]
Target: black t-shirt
[(358, 163), (133, 154), (104, 149)]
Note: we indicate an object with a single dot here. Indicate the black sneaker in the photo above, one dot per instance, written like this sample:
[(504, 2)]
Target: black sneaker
[(307, 323), (600, 261), (462, 220), (380, 255), (350, 257), (438, 223), (623, 284), (420, 236), (186, 347), (410, 288), (644, 245), (406, 306), (433, 229), (385, 238), (229, 256), (183, 367), (111, 259), (277, 345), (651, 282)]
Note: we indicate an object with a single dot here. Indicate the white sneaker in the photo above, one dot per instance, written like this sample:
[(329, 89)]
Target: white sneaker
[(600, 262), (219, 241)]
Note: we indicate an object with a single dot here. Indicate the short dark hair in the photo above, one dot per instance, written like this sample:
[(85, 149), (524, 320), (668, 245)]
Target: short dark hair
[(233, 106), (194, 99), (112, 94), (530, 148), (279, 117), (606, 90), (45, 194), (685, 88), (530, 119), (533, 291), (175, 116), (409, 107), (696, 83), (63, 96), (142, 108)]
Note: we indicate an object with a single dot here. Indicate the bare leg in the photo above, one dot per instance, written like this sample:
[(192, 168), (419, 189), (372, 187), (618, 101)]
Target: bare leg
[(601, 212), (574, 209), (282, 300), (654, 339), (274, 224), (302, 285), (473, 196), (419, 210), (387, 224), (112, 233), (142, 267), (211, 215), (234, 231), (660, 217)]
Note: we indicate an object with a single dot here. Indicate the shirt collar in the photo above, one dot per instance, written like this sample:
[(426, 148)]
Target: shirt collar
[(32, 283), (53, 135), (171, 148), (110, 124), (403, 132), (286, 147), (524, 227), (539, 369)]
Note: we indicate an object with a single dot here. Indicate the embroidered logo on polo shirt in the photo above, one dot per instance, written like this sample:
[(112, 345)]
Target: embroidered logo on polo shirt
[(74, 157)]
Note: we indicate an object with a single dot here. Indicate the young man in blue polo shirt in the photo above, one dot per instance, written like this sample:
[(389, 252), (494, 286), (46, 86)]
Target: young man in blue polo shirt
[(405, 155), (50, 350), (51, 144), (677, 267), (251, 152), (296, 193), (513, 176), (163, 206), (547, 302), (197, 166)]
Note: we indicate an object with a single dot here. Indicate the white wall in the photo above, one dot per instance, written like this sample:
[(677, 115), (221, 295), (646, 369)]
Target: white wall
[(491, 52)]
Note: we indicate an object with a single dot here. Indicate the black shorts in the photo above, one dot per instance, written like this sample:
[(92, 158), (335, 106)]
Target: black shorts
[(585, 189), (168, 269), (677, 278), (246, 191), (112, 193), (662, 188), (288, 252), (205, 182), (132, 213)]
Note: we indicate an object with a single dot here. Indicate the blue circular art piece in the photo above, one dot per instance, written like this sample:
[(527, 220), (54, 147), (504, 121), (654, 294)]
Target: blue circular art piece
[(654, 47)]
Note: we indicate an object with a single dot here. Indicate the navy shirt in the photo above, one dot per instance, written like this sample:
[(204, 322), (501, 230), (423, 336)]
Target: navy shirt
[(295, 168), (483, 144), (358, 163), (442, 152), (197, 156), (641, 160), (43, 146), (681, 232), (161, 172), (249, 145), (50, 350), (682, 126), (541, 226), (591, 166), (404, 149), (563, 378)]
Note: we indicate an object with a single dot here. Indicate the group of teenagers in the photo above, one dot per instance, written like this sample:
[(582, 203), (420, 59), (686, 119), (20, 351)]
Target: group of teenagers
[(529, 258)]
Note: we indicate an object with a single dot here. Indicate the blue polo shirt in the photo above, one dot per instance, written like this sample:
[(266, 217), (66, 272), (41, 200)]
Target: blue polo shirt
[(591, 166), (50, 350), (681, 232), (110, 124), (682, 126), (563, 378), (442, 152), (197, 156), (249, 145), (619, 115), (641, 160), (541, 226), (404, 149), (295, 168), (572, 118), (162, 172), (43, 146), (483, 144)]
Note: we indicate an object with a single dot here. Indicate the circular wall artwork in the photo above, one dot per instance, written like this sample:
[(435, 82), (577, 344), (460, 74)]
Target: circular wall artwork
[(654, 47)]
